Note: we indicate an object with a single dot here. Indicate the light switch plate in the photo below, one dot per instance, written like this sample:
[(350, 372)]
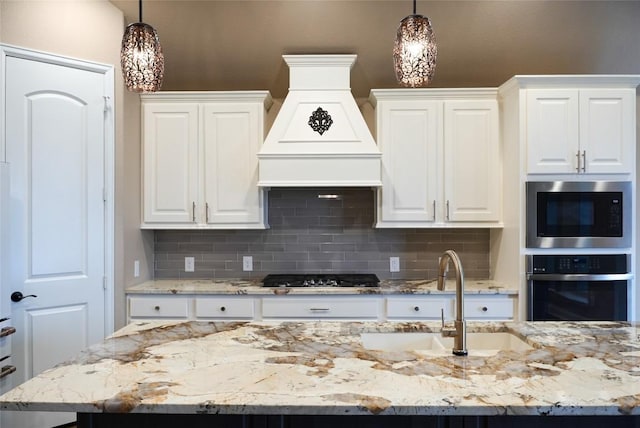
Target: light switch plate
[(189, 264), (247, 263), (394, 264)]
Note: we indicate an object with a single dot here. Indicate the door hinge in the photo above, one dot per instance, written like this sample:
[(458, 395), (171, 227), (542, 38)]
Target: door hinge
[(104, 194), (104, 282), (106, 103)]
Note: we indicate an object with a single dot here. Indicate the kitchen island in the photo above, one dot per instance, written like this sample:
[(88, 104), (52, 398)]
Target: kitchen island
[(291, 373)]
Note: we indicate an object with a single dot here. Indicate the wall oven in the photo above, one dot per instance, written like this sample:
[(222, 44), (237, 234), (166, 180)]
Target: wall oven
[(585, 287), (585, 214)]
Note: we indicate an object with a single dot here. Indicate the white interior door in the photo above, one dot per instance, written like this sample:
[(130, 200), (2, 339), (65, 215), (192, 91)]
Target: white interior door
[(55, 145)]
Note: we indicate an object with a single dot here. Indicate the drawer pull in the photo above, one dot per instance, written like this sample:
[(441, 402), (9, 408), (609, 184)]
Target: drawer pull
[(319, 309), (6, 371), (416, 308), (7, 331), (484, 309), (157, 308), (222, 309)]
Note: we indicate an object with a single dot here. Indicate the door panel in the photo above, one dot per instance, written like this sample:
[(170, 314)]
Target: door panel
[(55, 146), (47, 324), (58, 238)]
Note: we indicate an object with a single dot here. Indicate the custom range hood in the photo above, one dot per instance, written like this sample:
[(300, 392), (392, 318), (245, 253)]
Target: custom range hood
[(319, 137)]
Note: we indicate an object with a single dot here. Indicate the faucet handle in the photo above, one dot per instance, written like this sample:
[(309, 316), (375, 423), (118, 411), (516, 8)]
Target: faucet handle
[(446, 332)]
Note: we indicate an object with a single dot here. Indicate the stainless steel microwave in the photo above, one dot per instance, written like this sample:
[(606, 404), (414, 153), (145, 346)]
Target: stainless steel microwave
[(578, 214)]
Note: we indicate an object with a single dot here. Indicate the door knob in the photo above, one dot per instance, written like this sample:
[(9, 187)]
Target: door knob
[(17, 296)]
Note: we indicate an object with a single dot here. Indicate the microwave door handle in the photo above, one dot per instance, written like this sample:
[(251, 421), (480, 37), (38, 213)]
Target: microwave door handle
[(579, 277)]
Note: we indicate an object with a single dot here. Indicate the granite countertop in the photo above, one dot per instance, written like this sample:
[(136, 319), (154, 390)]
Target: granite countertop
[(253, 287), (323, 368)]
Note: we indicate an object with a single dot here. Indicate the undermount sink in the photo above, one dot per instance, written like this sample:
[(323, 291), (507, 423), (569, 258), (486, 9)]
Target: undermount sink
[(478, 344)]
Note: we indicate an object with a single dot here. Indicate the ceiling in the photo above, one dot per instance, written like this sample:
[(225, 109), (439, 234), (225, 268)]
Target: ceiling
[(237, 44)]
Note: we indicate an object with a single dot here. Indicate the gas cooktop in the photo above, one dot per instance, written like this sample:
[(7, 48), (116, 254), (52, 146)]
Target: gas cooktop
[(321, 280)]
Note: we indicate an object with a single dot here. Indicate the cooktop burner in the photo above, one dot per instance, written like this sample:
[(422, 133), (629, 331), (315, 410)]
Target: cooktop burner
[(321, 280)]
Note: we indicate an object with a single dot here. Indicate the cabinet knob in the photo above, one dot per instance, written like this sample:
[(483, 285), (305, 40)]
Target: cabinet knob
[(222, 308), (416, 308), (484, 309), (157, 308)]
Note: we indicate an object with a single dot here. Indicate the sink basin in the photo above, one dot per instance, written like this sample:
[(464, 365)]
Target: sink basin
[(478, 344)]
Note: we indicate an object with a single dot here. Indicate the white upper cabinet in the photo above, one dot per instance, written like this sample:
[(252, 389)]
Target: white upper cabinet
[(472, 161), (441, 164), (170, 162), (579, 125), (408, 135), (200, 165)]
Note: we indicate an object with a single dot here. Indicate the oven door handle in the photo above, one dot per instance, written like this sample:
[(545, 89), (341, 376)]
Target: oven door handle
[(579, 277)]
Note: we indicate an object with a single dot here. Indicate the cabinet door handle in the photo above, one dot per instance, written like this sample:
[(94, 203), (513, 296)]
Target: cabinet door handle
[(584, 161), (7, 331), (434, 210), (157, 308), (578, 161), (206, 212), (484, 309), (6, 371), (416, 308), (319, 309), (193, 212), (222, 309), (447, 209)]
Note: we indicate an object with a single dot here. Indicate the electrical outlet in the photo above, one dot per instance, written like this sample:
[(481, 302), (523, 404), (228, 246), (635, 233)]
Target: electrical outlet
[(394, 264), (189, 264), (136, 268), (247, 263)]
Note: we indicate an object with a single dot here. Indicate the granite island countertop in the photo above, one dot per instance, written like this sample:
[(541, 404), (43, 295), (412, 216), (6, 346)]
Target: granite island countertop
[(254, 287), (322, 368)]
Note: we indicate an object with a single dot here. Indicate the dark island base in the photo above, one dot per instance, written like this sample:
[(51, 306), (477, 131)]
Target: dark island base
[(110, 420)]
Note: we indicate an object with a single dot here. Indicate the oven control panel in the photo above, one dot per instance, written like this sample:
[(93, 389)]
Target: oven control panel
[(579, 263)]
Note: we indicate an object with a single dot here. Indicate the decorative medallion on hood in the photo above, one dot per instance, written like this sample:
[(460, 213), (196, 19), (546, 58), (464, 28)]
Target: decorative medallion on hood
[(319, 137), (320, 121)]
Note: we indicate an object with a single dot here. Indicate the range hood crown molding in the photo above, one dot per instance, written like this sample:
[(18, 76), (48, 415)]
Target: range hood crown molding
[(342, 153)]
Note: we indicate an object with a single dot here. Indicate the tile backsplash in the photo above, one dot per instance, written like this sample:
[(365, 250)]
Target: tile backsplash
[(309, 234)]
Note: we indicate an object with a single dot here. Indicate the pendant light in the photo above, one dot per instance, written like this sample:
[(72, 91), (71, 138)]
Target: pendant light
[(415, 51), (141, 57)]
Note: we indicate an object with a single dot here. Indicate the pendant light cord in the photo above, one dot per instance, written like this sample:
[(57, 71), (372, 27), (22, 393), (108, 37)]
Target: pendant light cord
[(140, 9), (414, 6)]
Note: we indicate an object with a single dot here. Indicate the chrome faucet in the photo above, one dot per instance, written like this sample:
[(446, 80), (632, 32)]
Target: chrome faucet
[(460, 332)]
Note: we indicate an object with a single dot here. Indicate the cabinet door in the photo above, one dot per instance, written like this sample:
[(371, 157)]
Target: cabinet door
[(552, 131), (170, 153), (408, 134), (232, 138), (607, 130), (472, 162)]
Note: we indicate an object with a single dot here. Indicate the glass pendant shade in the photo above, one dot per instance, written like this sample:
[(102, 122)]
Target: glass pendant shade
[(141, 58), (415, 51)]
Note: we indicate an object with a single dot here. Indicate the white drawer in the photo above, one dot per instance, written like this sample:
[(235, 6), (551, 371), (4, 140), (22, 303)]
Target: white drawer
[(224, 307), (419, 307), (488, 308), (159, 307), (337, 307)]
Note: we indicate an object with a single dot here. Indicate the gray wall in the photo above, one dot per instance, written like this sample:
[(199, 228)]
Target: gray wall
[(312, 235)]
